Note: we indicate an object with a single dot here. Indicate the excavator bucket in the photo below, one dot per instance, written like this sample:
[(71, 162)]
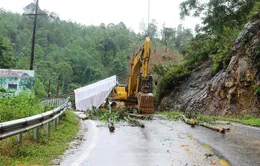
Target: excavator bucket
[(145, 103)]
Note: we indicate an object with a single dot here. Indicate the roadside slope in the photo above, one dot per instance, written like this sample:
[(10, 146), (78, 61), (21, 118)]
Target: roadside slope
[(234, 91)]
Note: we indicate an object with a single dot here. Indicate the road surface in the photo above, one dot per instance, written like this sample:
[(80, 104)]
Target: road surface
[(164, 143)]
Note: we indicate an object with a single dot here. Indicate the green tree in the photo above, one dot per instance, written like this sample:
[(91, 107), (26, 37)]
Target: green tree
[(66, 72), (151, 30), (218, 14), (167, 36), (39, 89), (7, 60)]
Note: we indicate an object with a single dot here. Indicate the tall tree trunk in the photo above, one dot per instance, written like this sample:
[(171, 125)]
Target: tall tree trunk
[(49, 88), (62, 86), (58, 86)]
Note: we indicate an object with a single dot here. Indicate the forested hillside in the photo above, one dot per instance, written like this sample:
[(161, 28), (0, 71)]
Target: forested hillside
[(77, 53)]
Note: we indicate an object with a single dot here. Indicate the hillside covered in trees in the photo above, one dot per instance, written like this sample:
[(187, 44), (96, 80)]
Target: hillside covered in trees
[(77, 53), (80, 54)]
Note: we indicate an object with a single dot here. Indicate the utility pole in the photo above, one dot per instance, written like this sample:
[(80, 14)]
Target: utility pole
[(148, 18), (34, 31), (33, 36)]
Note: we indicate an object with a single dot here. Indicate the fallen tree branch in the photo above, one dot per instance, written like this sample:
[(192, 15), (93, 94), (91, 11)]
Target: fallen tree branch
[(136, 122), (215, 128), (193, 122), (186, 120), (111, 126), (136, 116)]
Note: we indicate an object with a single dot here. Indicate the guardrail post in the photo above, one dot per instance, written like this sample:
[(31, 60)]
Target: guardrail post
[(36, 133), (19, 138), (55, 124), (48, 128), (58, 120)]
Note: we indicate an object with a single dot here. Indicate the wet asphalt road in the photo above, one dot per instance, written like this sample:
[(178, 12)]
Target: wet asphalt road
[(240, 146), (165, 143)]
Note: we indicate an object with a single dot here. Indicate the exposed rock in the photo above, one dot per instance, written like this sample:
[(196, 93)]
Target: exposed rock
[(230, 91)]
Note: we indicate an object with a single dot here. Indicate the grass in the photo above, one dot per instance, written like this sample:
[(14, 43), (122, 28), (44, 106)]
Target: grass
[(247, 119), (171, 115), (45, 150)]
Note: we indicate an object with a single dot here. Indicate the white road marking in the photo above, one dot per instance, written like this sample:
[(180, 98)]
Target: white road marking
[(87, 152)]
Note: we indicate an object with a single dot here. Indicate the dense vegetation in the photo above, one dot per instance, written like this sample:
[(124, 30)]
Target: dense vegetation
[(21, 106), (78, 54), (222, 21)]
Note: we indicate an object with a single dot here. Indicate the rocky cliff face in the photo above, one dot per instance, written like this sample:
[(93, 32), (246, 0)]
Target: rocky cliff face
[(229, 92)]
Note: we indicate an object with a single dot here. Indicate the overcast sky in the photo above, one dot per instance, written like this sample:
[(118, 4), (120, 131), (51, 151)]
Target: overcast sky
[(95, 12)]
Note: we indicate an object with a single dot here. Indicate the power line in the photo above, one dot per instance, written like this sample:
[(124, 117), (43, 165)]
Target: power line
[(10, 31), (19, 52), (5, 25)]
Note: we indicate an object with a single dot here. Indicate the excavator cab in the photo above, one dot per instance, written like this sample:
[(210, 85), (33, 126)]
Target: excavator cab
[(120, 92)]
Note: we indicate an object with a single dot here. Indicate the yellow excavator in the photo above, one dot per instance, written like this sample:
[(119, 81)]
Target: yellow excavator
[(138, 92)]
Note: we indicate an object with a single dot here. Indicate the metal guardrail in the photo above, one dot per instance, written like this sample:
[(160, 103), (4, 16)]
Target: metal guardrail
[(54, 101), (20, 126)]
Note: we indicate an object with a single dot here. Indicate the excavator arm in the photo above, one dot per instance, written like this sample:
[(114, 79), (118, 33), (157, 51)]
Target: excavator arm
[(140, 63), (133, 79), (146, 57), (145, 96), (139, 85)]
